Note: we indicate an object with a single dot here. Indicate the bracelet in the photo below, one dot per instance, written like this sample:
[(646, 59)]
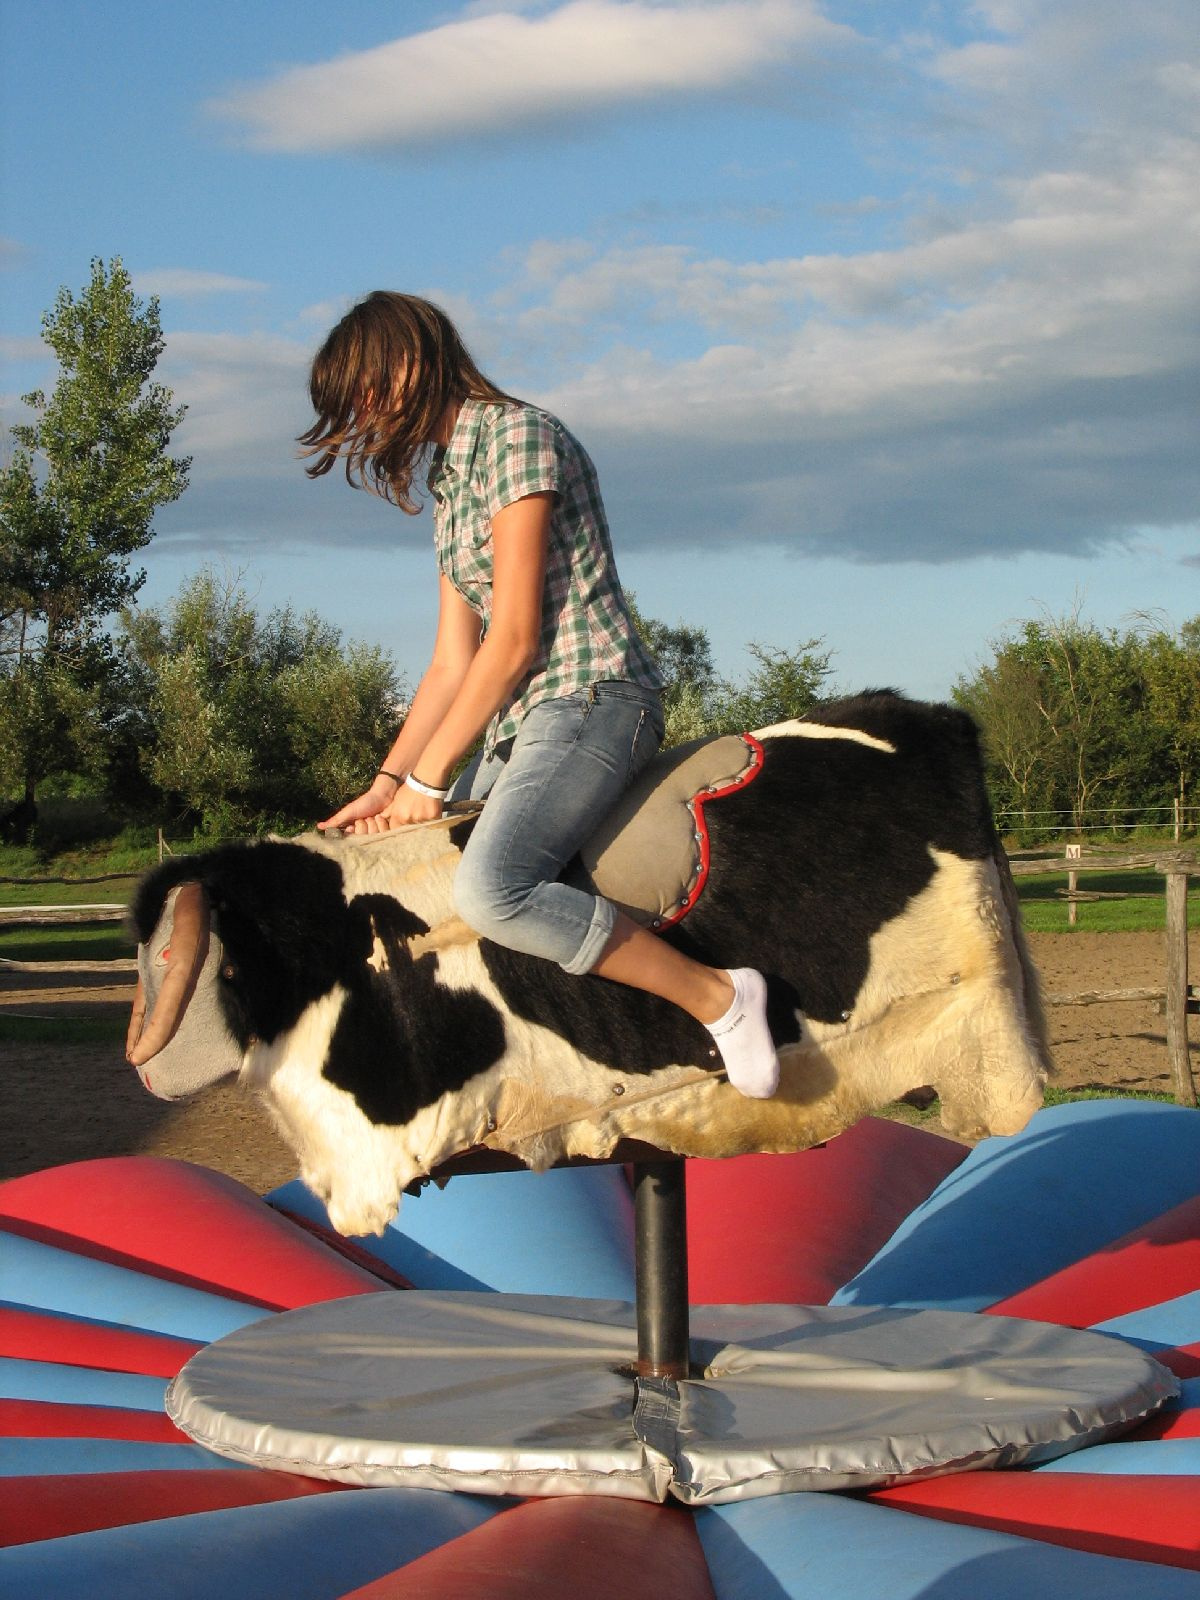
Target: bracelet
[(394, 776), (426, 789)]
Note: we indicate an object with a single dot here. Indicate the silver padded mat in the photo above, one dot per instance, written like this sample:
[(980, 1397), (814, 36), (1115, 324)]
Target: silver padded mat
[(535, 1395)]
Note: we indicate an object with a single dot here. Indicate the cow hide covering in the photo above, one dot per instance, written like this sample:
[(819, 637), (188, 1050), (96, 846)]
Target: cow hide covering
[(860, 872)]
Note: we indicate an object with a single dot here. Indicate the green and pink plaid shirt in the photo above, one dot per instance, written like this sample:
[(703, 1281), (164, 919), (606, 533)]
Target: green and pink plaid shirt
[(501, 453)]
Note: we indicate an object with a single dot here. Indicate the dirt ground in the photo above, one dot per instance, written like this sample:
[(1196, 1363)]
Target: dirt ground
[(72, 1102)]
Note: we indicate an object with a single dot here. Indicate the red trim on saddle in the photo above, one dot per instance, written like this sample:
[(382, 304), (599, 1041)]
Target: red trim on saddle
[(696, 806)]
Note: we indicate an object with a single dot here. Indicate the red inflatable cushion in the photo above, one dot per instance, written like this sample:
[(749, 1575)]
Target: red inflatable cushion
[(51, 1419), (1141, 1518), (36, 1508), (1156, 1262), (792, 1229), (29, 1335), (183, 1222), (548, 1549)]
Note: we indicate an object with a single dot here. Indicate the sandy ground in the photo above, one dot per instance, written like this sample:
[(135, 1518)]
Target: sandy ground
[(72, 1102)]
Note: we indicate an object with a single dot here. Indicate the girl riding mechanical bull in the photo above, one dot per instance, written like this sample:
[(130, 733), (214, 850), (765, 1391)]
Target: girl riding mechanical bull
[(535, 649)]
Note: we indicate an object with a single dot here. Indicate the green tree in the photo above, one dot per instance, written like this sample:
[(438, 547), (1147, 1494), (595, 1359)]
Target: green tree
[(683, 652), (1090, 698), (53, 719), (1004, 697), (1171, 669), (239, 721), (697, 701), (1087, 724), (783, 684), (77, 500)]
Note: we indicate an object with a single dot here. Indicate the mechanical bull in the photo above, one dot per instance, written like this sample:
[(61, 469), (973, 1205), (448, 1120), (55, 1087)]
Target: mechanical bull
[(850, 856)]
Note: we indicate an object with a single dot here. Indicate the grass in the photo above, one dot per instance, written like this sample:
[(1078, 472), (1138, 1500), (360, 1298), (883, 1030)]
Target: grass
[(100, 941), (1044, 906), (1062, 1097), (929, 1117), (116, 892), (29, 869), (129, 852), (33, 1029)]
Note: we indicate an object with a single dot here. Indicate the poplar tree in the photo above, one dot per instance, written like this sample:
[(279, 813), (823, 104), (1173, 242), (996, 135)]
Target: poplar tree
[(77, 501)]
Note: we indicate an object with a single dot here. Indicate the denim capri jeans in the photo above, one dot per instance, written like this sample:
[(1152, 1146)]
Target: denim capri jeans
[(547, 789)]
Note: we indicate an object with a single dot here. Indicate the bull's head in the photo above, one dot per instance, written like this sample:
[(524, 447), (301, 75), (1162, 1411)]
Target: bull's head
[(232, 945)]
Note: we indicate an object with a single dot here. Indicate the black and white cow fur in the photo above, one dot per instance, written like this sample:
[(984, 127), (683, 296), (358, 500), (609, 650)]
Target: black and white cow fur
[(860, 872)]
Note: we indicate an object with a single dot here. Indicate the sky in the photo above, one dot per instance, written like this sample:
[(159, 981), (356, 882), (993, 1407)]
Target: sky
[(878, 317)]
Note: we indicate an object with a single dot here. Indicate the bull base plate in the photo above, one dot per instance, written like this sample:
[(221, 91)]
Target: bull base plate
[(536, 1395)]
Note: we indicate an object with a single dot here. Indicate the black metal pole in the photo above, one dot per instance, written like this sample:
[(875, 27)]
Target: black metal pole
[(660, 1221)]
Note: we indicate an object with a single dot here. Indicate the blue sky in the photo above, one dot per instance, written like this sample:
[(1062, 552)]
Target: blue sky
[(879, 319)]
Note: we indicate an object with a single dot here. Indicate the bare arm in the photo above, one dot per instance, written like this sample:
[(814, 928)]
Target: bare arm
[(454, 648), (520, 537)]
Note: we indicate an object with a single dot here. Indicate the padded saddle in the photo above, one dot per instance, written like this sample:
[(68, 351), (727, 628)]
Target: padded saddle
[(650, 856)]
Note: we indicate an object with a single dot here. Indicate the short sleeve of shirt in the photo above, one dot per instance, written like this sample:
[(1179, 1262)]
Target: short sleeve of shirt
[(523, 457)]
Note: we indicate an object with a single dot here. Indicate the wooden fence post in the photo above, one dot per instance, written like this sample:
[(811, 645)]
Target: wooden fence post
[(1074, 853), (1177, 987)]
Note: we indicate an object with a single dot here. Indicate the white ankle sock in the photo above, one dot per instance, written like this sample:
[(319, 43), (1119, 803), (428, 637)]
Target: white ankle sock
[(744, 1039)]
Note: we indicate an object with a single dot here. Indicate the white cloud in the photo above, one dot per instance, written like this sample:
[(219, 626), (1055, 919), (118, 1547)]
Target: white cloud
[(1015, 382), (324, 313), (28, 347), (1084, 276), (187, 283), (246, 399), (1020, 380), (1017, 372), (1091, 68), (501, 71)]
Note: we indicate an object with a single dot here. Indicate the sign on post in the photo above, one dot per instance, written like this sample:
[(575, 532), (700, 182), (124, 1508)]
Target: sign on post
[(1074, 853)]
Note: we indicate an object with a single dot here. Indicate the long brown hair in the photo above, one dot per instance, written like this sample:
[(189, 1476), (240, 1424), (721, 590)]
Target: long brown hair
[(381, 385)]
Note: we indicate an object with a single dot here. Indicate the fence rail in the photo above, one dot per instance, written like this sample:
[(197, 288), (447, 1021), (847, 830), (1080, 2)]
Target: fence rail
[(102, 877), (1176, 818), (63, 916), (59, 916), (1176, 867), (117, 964), (1164, 861)]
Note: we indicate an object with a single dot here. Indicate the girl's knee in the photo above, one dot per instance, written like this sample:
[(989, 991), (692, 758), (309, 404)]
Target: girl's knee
[(481, 900)]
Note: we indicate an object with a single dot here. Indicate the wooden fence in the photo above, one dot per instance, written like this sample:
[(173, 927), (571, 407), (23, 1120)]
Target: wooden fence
[(1175, 868), (64, 916)]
